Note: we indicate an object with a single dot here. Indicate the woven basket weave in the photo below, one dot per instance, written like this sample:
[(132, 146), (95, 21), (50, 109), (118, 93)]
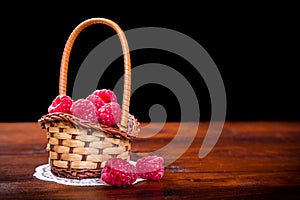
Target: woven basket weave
[(77, 148)]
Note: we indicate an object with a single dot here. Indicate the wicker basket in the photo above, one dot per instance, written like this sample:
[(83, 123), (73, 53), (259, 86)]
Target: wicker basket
[(78, 148)]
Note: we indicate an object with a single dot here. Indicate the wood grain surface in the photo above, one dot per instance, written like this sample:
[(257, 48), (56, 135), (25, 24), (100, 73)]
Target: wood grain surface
[(251, 160)]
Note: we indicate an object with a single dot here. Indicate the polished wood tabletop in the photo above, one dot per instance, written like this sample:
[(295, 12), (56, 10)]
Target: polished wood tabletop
[(250, 160)]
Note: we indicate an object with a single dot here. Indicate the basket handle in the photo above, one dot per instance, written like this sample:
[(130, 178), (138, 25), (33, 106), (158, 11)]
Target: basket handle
[(127, 66)]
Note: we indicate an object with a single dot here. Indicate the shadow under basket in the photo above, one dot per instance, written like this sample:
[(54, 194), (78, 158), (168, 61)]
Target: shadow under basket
[(78, 148)]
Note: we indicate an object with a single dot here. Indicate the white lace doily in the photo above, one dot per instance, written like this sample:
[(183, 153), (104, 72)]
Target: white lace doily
[(43, 172)]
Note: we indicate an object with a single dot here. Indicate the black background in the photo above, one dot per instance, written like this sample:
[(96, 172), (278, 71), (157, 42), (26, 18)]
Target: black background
[(254, 46)]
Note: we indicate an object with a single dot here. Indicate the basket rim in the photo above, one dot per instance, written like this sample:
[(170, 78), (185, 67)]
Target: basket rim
[(83, 124)]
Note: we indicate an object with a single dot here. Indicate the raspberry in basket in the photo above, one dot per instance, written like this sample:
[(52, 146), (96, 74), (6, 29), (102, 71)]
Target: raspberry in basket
[(98, 102), (106, 95), (109, 114), (84, 109), (61, 103), (118, 172)]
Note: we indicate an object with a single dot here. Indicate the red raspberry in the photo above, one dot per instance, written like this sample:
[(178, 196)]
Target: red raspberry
[(150, 167), (109, 114), (84, 109), (106, 95), (118, 172), (61, 103), (98, 102)]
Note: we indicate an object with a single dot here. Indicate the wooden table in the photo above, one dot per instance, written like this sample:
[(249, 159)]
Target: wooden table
[(251, 160)]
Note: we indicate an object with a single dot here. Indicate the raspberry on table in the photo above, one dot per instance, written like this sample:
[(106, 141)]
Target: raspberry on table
[(98, 102), (118, 172), (84, 109), (150, 167), (61, 103), (106, 95), (109, 114)]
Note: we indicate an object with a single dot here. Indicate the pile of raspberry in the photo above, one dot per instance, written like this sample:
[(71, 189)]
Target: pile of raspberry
[(119, 172), (100, 106)]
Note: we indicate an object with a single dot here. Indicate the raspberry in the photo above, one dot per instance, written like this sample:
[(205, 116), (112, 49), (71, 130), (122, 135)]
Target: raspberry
[(85, 110), (150, 167), (98, 102), (106, 95), (61, 103), (118, 172), (109, 114)]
